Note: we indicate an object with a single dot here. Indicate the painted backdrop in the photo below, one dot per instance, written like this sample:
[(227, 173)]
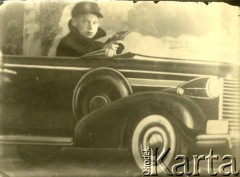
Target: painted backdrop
[(167, 29)]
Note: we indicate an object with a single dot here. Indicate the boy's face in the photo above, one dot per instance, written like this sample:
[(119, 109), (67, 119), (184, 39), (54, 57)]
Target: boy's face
[(87, 25)]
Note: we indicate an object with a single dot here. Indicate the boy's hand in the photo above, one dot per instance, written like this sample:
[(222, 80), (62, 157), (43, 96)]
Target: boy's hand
[(111, 48)]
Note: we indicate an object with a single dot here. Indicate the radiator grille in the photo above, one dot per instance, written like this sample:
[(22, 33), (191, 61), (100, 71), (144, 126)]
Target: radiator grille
[(231, 105)]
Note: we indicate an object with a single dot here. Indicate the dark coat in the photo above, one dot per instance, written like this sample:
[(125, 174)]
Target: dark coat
[(75, 45)]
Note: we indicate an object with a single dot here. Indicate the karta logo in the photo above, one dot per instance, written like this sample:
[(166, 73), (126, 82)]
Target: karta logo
[(154, 164)]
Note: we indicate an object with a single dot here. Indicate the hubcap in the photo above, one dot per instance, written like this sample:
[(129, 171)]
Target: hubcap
[(97, 102), (155, 132), (153, 136), (155, 141)]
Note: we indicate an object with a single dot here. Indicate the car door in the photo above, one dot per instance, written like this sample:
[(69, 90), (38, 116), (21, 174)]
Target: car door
[(35, 99)]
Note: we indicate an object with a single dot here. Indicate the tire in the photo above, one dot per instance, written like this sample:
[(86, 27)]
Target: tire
[(38, 154), (155, 131), (98, 88), (95, 95)]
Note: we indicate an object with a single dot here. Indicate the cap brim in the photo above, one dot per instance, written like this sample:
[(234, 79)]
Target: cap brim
[(98, 14)]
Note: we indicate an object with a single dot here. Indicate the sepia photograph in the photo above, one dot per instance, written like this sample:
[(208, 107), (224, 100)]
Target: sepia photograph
[(111, 88)]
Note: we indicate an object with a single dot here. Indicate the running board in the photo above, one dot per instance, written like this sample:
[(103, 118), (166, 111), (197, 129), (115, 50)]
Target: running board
[(36, 140)]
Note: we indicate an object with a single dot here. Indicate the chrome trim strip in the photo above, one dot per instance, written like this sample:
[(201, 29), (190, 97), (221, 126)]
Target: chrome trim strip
[(163, 73), (7, 71), (228, 97), (153, 82), (220, 102), (13, 139), (149, 58), (48, 67), (231, 92), (226, 116), (198, 97), (88, 68), (194, 88)]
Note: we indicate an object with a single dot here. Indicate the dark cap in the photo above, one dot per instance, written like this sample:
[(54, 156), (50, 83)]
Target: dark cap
[(86, 8)]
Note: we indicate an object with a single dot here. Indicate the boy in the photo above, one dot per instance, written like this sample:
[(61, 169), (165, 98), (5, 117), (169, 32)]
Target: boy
[(84, 31)]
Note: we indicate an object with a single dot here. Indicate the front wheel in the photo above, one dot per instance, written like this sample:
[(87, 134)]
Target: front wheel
[(151, 133), (38, 154)]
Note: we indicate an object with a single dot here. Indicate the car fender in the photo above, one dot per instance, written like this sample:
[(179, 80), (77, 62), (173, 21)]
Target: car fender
[(110, 126)]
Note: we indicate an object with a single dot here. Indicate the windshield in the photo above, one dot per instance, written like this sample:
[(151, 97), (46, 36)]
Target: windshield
[(167, 29)]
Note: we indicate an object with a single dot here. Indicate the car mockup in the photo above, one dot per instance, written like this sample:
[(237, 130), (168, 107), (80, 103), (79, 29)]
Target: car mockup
[(128, 101)]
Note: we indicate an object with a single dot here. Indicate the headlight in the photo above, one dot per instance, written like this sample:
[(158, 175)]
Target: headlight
[(213, 87)]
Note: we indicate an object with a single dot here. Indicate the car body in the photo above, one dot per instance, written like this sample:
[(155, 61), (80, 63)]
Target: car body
[(121, 102)]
